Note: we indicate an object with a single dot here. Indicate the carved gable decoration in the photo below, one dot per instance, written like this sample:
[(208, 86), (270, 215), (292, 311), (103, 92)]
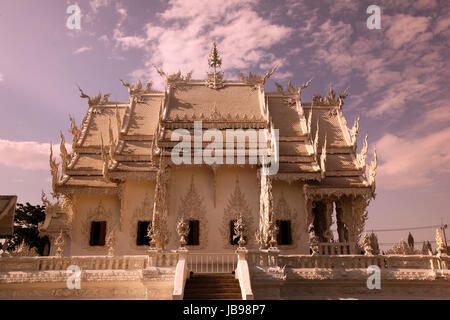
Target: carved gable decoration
[(97, 214), (192, 208), (237, 206), (142, 213), (284, 212)]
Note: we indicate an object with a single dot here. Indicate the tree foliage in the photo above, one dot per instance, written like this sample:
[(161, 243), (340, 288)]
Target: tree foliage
[(26, 221)]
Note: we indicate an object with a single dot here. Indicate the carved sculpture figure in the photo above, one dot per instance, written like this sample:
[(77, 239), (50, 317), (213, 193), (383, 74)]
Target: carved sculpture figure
[(59, 243)]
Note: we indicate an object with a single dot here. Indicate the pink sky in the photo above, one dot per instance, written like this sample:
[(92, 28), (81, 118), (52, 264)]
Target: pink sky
[(398, 78)]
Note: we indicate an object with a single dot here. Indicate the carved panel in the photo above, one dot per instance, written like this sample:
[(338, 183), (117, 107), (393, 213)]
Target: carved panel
[(97, 214), (284, 212), (237, 205), (191, 207), (142, 213)]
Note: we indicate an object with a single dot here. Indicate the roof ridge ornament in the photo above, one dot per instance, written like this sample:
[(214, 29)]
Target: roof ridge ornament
[(330, 99), (174, 77), (254, 79), (215, 79), (291, 90), (95, 100), (361, 157), (54, 170), (75, 132)]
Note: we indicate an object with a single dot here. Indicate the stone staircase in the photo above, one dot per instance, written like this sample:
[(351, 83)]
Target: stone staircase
[(212, 286)]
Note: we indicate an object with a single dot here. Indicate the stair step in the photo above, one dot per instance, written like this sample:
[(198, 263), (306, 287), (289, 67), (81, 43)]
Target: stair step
[(224, 281), (213, 296), (208, 290), (212, 287)]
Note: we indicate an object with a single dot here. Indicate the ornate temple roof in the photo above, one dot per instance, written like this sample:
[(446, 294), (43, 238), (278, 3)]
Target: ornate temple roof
[(120, 140)]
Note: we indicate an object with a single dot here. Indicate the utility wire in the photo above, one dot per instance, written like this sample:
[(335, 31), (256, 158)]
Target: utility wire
[(405, 229)]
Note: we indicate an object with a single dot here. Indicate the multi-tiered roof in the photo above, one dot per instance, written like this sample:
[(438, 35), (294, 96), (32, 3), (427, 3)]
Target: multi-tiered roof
[(119, 141)]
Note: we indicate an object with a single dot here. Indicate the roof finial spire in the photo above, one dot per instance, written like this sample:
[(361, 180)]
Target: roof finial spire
[(215, 80)]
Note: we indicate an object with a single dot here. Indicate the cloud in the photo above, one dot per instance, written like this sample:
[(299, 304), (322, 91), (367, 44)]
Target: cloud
[(182, 37), (405, 28), (82, 49), (96, 4), (413, 161), (1, 78), (28, 155)]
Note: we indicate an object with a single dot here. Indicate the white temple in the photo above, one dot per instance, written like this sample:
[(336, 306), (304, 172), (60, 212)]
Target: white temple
[(136, 221)]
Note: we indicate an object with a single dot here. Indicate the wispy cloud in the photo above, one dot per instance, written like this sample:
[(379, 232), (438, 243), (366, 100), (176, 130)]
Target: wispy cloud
[(97, 4), (413, 161), (182, 37), (28, 155), (82, 49)]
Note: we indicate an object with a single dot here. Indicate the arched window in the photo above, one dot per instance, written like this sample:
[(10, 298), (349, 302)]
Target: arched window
[(194, 233), (284, 236), (98, 233), (142, 238)]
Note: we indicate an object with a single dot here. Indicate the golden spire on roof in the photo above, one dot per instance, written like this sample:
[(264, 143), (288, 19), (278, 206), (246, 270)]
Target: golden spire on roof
[(215, 79)]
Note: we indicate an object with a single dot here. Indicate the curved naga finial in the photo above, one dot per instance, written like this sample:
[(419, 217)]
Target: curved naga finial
[(54, 171), (361, 157), (95, 100), (65, 157), (355, 130), (75, 132), (323, 158), (105, 168), (373, 167), (175, 77)]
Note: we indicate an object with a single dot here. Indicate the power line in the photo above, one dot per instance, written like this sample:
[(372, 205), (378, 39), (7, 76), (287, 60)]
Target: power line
[(405, 229)]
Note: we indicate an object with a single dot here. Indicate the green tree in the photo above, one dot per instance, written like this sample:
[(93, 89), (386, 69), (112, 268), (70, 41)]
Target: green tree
[(26, 220), (411, 241)]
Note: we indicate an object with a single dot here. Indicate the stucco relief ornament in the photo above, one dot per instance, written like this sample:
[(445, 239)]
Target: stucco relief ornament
[(361, 157), (183, 231), (256, 80), (237, 207), (59, 243), (111, 243), (215, 79), (239, 228), (440, 244), (354, 131), (95, 100), (5, 247), (273, 231), (191, 208), (65, 156), (75, 132), (367, 244), (54, 171)]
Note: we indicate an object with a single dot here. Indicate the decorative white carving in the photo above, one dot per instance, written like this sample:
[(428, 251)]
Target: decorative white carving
[(191, 208), (54, 171), (142, 213), (97, 214), (284, 212), (361, 157), (237, 207), (59, 243), (323, 158), (75, 132), (354, 131)]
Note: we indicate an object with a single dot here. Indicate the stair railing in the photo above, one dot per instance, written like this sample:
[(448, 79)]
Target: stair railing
[(243, 274), (181, 274), (212, 262)]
